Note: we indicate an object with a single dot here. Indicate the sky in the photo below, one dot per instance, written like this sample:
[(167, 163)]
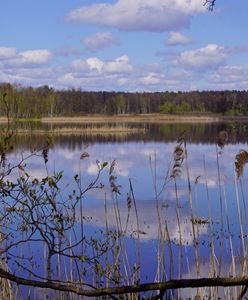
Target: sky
[(125, 45)]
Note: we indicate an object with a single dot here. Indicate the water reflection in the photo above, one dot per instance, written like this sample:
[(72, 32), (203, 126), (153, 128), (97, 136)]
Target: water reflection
[(199, 213), (196, 133), (145, 223)]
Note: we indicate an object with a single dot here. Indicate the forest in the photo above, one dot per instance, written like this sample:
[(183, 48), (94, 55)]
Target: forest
[(44, 101)]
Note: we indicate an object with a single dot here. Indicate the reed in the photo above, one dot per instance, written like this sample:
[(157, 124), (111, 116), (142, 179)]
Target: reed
[(89, 130)]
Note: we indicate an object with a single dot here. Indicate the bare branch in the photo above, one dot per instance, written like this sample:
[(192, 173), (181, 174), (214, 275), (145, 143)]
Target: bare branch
[(161, 286)]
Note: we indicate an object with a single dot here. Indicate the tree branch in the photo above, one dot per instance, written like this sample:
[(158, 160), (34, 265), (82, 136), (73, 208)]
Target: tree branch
[(171, 284)]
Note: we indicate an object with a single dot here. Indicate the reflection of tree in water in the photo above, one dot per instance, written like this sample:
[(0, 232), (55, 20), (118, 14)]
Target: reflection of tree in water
[(205, 133), (196, 133)]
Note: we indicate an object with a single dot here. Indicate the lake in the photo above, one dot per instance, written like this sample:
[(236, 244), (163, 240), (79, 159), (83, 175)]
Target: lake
[(170, 207)]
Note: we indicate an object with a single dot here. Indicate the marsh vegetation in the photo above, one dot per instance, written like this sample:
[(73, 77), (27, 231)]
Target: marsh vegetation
[(145, 215)]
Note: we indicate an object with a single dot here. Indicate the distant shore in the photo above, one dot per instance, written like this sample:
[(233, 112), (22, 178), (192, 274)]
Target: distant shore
[(136, 118), (145, 118), (102, 130)]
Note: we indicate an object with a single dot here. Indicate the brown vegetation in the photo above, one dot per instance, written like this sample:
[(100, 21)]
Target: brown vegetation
[(103, 130), (139, 118)]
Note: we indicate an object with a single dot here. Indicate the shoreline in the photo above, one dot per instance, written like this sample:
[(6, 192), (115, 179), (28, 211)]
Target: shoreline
[(133, 118), (120, 131), (145, 118)]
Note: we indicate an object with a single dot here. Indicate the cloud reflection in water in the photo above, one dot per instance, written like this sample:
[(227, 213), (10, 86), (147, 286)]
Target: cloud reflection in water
[(148, 220)]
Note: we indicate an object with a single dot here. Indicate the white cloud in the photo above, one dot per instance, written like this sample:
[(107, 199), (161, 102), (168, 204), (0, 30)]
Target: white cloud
[(95, 64), (7, 53), (210, 57), (40, 73), (148, 221), (40, 56), (119, 65), (177, 38), (37, 67), (67, 80), (150, 79), (99, 41), (122, 81), (33, 57), (29, 58), (229, 74), (80, 65), (229, 78), (92, 169), (139, 15), (119, 73), (4, 77)]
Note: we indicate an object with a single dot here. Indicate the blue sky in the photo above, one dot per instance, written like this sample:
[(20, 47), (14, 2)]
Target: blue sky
[(125, 45)]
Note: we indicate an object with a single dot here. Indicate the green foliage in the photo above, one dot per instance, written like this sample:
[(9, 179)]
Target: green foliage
[(167, 108), (183, 107), (232, 112), (173, 108)]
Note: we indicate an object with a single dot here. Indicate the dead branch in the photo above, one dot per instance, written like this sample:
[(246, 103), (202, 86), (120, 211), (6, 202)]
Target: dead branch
[(161, 286)]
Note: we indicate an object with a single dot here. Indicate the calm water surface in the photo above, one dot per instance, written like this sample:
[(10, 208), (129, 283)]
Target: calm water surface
[(212, 246)]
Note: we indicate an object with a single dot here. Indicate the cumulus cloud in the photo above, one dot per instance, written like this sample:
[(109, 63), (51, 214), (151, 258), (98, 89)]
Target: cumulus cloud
[(7, 53), (95, 64), (232, 77), (229, 74), (209, 57), (40, 56), (41, 73), (10, 58), (137, 15), (37, 67), (99, 41), (177, 38), (80, 65), (119, 65), (150, 79), (120, 74), (31, 58)]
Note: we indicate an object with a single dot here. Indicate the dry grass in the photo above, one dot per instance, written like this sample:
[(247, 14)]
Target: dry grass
[(103, 130), (3, 120), (140, 118)]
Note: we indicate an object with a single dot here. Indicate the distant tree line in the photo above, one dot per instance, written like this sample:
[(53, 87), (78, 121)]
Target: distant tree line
[(29, 102)]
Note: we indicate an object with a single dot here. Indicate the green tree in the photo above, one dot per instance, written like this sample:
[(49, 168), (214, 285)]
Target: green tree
[(120, 104), (167, 108), (183, 107)]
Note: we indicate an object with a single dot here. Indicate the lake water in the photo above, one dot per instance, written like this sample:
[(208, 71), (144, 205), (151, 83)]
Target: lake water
[(191, 226)]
